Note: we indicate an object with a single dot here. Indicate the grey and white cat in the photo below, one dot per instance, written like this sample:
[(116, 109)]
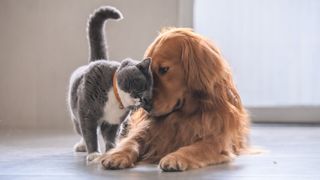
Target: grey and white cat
[(102, 93)]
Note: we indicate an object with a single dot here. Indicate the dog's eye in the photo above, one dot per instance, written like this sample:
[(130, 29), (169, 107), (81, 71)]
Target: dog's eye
[(163, 70)]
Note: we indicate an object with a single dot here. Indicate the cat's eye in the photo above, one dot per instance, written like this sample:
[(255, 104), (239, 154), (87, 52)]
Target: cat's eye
[(163, 70)]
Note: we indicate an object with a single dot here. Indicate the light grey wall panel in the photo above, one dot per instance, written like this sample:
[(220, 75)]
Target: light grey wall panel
[(273, 47), (43, 41)]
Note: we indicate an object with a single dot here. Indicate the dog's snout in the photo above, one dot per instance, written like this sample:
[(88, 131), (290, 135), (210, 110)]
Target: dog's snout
[(147, 104)]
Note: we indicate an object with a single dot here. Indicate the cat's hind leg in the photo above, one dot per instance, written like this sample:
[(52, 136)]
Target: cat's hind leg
[(81, 145), (89, 134), (109, 132)]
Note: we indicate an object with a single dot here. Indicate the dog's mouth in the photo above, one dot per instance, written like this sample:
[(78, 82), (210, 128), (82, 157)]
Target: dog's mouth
[(179, 105)]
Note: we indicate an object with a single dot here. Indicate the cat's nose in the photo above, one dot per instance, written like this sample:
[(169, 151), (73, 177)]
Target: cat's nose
[(147, 104)]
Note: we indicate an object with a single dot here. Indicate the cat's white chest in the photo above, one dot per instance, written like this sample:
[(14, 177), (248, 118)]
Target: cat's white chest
[(112, 112)]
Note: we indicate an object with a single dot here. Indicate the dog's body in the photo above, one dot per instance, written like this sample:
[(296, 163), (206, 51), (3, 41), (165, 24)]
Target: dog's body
[(197, 117)]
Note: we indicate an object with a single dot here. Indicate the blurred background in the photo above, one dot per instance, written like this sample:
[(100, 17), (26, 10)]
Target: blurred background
[(273, 47)]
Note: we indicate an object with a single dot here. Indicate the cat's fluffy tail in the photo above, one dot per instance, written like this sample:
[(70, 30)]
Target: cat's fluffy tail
[(95, 30)]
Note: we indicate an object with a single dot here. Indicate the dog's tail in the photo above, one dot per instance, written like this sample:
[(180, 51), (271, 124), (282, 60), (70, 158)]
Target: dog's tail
[(96, 36)]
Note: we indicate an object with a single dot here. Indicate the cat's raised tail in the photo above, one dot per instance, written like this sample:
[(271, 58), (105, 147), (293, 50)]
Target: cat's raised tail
[(96, 36)]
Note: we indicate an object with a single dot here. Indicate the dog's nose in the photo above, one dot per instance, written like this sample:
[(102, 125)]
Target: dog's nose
[(146, 104)]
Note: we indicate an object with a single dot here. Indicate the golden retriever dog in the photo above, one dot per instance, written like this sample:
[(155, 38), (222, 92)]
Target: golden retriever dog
[(197, 117)]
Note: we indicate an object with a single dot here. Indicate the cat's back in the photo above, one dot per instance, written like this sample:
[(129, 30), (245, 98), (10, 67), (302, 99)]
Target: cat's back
[(93, 79), (100, 67), (98, 74)]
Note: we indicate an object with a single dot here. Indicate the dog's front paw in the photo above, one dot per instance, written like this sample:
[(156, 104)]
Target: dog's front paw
[(92, 156), (173, 162), (117, 160)]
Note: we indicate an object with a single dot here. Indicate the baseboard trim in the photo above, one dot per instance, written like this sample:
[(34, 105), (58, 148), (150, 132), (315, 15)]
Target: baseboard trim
[(292, 114)]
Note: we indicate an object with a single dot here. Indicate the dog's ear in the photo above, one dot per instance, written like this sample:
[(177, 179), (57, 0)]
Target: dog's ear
[(207, 73), (201, 64)]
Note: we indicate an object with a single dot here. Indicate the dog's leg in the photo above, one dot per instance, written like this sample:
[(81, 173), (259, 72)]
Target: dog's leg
[(126, 152), (197, 155), (123, 156)]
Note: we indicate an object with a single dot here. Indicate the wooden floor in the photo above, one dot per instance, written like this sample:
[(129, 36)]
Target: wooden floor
[(293, 153)]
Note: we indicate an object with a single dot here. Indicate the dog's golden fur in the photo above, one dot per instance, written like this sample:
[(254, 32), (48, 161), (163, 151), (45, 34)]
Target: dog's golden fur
[(197, 118)]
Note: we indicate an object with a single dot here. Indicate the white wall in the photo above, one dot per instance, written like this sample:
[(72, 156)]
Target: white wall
[(43, 41), (273, 47)]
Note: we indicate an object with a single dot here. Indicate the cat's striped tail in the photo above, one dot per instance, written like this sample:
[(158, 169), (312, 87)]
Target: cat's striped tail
[(96, 36)]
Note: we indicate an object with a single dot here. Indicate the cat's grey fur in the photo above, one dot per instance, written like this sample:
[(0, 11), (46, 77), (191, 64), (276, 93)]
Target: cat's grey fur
[(91, 98)]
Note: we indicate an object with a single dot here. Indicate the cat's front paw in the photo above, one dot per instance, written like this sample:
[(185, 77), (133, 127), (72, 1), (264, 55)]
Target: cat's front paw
[(92, 156)]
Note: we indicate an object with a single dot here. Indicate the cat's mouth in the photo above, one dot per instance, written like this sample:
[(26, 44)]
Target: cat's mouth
[(144, 103), (137, 101)]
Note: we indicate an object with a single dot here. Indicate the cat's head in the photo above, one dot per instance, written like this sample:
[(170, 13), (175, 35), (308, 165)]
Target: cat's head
[(135, 83)]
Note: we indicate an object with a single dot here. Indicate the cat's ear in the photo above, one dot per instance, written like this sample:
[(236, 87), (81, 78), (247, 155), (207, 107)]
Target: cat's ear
[(144, 65), (125, 63)]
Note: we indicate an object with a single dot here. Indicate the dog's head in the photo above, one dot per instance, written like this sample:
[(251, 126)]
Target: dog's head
[(189, 73)]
